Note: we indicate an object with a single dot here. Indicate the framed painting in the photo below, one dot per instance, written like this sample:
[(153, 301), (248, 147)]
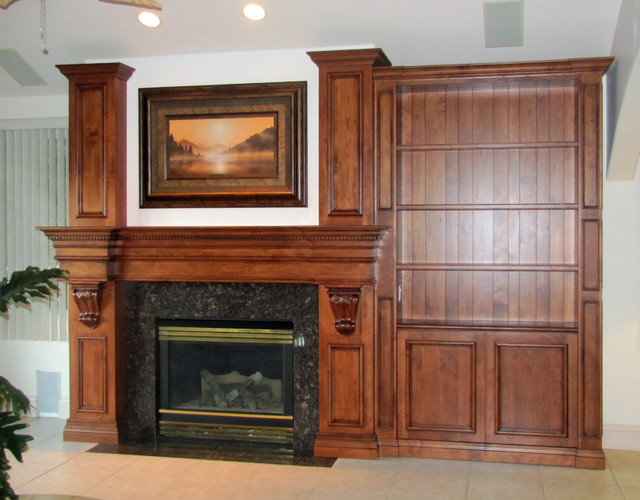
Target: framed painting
[(223, 146)]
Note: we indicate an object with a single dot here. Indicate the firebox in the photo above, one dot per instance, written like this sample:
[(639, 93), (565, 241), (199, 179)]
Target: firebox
[(225, 379)]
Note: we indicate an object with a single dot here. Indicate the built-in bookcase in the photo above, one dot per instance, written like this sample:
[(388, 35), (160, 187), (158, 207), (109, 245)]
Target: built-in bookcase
[(487, 202), (487, 180), (497, 217)]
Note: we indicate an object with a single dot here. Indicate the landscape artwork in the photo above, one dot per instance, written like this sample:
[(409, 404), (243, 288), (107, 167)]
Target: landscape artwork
[(228, 146), (237, 145)]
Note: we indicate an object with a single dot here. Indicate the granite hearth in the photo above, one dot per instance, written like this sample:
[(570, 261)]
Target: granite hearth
[(148, 301)]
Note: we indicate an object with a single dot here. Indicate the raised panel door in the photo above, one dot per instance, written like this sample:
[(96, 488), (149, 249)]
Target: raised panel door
[(441, 385), (531, 388)]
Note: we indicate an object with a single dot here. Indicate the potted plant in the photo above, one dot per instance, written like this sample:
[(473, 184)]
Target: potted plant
[(29, 283)]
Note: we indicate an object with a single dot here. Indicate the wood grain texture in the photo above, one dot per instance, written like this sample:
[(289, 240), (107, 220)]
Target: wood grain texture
[(498, 228), (441, 385), (532, 386), (92, 382), (97, 143)]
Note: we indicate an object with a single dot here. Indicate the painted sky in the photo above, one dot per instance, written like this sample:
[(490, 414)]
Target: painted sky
[(226, 131)]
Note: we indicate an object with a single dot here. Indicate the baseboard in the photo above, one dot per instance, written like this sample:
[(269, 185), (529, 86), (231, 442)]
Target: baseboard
[(621, 437), (63, 408)]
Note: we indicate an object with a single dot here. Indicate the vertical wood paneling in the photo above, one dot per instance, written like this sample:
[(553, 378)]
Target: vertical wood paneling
[(543, 111), (483, 178), (385, 144), (501, 113), (500, 176), (386, 364), (441, 390), (528, 111), (451, 115), (435, 177), (92, 390), (465, 178), (501, 296), (483, 231), (514, 111), (591, 255), (592, 374), (541, 297), (465, 113), (501, 236), (347, 396), (526, 408), (482, 294), (435, 115), (482, 113), (591, 145), (345, 146), (542, 176), (528, 180), (518, 111), (91, 171)]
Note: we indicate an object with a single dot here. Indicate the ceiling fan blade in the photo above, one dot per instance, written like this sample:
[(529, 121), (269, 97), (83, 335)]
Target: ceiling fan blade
[(5, 3), (147, 4)]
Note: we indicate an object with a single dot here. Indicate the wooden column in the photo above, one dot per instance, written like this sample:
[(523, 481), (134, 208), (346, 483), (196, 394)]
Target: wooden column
[(347, 185), (589, 452), (97, 187), (346, 134)]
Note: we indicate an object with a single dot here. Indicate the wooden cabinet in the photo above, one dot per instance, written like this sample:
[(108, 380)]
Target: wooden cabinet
[(441, 385), (490, 176), (494, 387), (532, 388)]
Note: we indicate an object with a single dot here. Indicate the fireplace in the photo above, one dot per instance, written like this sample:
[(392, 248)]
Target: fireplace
[(151, 305), (226, 379)]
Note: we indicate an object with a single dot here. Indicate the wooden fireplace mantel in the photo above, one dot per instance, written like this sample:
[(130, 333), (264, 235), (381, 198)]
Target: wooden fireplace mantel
[(416, 193), (305, 254), (340, 259)]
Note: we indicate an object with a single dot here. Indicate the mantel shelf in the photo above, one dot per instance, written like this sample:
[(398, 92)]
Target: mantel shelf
[(309, 254)]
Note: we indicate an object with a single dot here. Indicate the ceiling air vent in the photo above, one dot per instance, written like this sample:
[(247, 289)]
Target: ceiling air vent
[(503, 23), (19, 69)]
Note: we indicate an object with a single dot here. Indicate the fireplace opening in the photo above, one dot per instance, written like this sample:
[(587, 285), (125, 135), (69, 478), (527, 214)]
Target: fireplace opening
[(225, 380)]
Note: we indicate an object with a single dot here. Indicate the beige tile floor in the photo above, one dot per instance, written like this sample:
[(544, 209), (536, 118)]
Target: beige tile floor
[(54, 467)]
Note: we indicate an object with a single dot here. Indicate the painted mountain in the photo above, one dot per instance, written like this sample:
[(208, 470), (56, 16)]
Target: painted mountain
[(253, 157)]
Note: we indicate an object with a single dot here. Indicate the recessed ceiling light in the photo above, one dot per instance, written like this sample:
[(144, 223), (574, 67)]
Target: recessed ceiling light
[(149, 19), (254, 12)]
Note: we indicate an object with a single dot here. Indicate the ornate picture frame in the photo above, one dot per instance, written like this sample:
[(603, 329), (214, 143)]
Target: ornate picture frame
[(238, 145)]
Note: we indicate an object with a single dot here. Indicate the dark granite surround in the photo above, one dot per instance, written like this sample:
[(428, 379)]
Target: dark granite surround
[(146, 301)]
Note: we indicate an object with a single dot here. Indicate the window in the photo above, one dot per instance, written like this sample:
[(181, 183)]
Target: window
[(33, 192)]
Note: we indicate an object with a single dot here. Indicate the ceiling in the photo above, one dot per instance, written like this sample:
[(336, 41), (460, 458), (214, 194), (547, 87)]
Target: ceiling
[(411, 32)]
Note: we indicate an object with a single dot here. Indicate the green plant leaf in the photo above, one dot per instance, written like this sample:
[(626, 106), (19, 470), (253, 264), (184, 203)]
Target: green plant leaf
[(12, 398), (15, 443), (32, 282)]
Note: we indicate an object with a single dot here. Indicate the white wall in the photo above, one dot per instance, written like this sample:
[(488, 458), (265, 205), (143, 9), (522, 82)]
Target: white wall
[(19, 359), (624, 94), (30, 108), (211, 69), (621, 313)]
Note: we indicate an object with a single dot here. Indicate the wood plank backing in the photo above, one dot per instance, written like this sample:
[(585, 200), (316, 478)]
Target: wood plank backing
[(543, 297), (501, 237), (489, 112)]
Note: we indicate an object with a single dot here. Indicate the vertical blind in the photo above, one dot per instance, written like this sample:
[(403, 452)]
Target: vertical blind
[(33, 192)]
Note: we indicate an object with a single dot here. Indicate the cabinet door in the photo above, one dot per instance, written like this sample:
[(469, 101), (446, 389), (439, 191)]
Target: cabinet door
[(531, 388), (441, 385)]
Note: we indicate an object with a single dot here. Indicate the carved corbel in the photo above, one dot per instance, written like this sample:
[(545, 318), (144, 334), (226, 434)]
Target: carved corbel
[(87, 299), (344, 305)]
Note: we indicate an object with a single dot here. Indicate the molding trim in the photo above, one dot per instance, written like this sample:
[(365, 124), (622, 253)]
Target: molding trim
[(621, 437)]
